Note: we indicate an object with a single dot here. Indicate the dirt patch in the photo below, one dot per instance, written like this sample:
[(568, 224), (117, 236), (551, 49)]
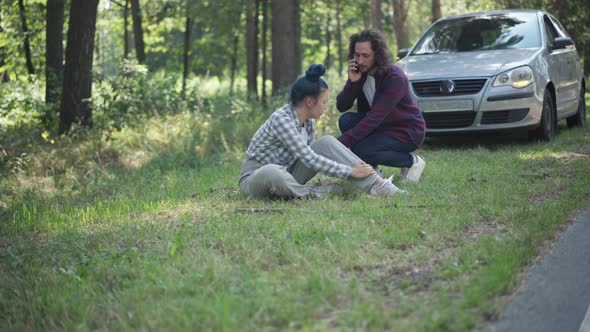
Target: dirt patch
[(566, 159), (540, 198), (585, 148), (570, 157), (259, 210), (172, 218), (419, 278), (230, 193), (412, 280), (475, 230)]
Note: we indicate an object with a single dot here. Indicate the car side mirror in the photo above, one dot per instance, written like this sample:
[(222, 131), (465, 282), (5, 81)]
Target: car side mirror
[(560, 43), (401, 53)]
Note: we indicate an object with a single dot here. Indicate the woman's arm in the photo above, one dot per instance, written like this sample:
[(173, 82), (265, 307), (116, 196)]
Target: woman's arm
[(286, 132)]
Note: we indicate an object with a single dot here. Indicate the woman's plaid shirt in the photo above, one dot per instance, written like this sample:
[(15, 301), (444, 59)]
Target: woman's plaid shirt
[(279, 142)]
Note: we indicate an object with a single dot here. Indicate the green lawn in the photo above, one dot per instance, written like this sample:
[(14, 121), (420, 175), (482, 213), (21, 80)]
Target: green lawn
[(147, 234)]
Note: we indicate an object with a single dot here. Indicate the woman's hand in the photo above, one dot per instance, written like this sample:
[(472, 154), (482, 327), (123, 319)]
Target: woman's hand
[(361, 170), (353, 71)]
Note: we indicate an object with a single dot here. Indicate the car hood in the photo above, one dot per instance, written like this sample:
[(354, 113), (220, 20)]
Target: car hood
[(465, 64)]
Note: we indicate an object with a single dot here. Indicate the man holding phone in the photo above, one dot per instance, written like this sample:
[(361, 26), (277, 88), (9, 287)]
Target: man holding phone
[(388, 125)]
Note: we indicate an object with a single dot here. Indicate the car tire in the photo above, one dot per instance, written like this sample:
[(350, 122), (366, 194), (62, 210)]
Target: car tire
[(579, 119), (548, 125)]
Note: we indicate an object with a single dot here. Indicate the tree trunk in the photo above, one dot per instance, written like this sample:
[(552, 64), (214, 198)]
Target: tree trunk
[(187, 46), (3, 56), (400, 24), (3, 73), (126, 30), (436, 12), (138, 31), (252, 46), (27, 34), (234, 63), (298, 50), (328, 60), (286, 43), (54, 50), (511, 4), (77, 83), (97, 50), (376, 20), (586, 55), (556, 7), (339, 38), (264, 48)]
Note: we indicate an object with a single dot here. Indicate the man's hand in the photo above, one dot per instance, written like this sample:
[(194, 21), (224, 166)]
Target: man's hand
[(361, 170), (354, 73)]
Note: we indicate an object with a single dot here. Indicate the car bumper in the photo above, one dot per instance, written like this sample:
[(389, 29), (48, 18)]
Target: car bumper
[(499, 109)]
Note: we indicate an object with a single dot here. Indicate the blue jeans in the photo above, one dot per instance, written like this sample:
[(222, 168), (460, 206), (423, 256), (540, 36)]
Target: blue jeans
[(377, 149)]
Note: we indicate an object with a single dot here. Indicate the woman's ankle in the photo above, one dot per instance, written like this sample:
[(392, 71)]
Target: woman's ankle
[(378, 181)]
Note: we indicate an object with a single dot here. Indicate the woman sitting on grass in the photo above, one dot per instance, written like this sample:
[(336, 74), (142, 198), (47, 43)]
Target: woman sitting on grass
[(283, 154)]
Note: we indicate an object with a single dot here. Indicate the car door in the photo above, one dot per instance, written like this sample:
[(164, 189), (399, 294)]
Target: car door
[(571, 67), (554, 61)]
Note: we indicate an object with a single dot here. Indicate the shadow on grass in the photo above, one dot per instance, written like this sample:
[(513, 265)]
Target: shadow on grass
[(491, 140)]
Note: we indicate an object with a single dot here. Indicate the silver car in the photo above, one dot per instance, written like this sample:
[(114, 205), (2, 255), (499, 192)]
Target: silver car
[(498, 70)]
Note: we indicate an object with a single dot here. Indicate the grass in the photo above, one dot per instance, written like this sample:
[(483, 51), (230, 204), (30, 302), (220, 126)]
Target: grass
[(149, 232)]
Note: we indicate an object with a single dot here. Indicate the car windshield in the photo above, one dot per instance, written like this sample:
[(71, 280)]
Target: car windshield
[(484, 32)]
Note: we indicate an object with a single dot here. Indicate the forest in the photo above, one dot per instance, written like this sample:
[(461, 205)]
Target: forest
[(76, 58)]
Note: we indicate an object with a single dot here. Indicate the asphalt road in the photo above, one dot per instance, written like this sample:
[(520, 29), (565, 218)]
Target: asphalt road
[(556, 294)]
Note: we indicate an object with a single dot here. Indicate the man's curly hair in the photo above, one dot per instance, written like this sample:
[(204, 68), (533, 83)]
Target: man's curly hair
[(378, 44)]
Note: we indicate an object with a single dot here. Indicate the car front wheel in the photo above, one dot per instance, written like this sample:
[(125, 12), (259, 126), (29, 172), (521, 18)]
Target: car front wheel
[(579, 119), (547, 127)]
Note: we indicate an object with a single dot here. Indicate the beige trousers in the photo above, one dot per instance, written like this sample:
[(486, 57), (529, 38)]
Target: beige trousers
[(277, 181)]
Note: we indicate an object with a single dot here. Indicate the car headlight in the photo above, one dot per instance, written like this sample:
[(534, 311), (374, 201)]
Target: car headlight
[(517, 77)]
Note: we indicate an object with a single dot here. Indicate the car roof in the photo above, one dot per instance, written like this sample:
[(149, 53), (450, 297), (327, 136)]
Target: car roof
[(492, 12)]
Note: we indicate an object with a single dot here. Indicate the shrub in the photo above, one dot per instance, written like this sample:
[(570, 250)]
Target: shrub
[(133, 96), (22, 103)]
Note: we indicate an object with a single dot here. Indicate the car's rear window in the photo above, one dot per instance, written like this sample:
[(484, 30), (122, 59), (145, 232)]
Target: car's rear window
[(483, 32)]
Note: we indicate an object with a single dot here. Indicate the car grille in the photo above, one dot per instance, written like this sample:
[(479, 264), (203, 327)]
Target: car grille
[(462, 87), (507, 116), (447, 120)]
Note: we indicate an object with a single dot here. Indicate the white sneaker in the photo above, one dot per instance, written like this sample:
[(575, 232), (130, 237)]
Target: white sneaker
[(386, 188), (415, 172)]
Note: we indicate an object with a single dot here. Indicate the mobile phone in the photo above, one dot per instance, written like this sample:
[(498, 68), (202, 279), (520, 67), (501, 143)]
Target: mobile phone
[(357, 66)]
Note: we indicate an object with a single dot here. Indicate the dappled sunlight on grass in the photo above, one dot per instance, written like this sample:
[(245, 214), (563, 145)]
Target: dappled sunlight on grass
[(566, 157), (135, 159), (569, 157), (211, 86)]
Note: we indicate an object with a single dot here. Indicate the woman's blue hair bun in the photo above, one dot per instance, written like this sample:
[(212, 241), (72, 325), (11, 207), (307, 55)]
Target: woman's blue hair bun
[(314, 72)]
